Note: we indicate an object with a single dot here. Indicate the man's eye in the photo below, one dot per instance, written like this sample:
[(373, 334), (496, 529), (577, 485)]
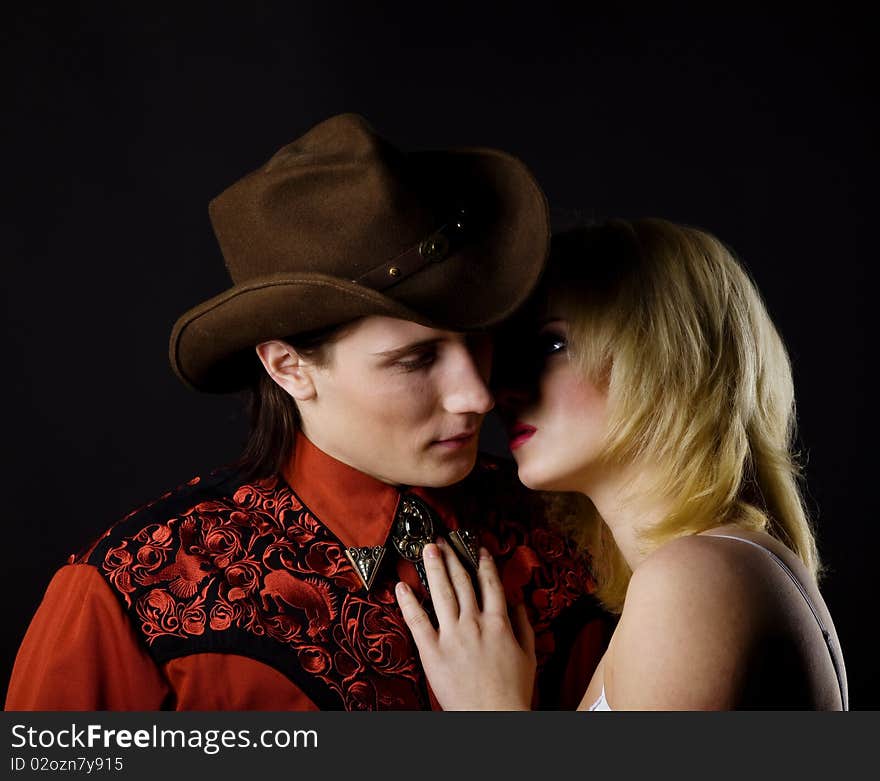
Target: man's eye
[(550, 343), (418, 361)]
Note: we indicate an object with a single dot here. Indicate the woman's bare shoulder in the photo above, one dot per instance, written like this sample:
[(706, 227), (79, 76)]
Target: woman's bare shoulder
[(691, 617), (717, 569)]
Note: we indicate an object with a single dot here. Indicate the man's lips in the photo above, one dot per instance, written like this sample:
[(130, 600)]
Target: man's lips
[(457, 440), (519, 434)]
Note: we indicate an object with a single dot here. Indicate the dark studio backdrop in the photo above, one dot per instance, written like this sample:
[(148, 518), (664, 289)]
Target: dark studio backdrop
[(121, 121)]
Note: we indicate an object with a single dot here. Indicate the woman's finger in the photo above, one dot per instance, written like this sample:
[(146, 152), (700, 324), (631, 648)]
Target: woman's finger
[(522, 629), (461, 580), (416, 618), (491, 589), (442, 593)]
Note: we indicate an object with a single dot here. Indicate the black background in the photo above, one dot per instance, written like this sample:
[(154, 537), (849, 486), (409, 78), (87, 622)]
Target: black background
[(120, 122)]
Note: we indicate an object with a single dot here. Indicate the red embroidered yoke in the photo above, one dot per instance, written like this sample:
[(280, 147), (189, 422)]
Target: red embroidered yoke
[(232, 595)]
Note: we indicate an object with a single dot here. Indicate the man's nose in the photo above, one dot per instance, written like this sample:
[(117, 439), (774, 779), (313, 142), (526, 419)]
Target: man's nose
[(468, 391)]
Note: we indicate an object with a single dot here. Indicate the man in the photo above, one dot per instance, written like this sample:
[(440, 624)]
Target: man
[(363, 282)]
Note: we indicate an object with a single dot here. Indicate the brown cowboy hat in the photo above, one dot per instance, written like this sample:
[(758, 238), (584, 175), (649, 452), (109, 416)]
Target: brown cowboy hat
[(340, 224)]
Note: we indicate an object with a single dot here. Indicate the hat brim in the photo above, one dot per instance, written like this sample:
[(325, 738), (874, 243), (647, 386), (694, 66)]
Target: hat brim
[(486, 280)]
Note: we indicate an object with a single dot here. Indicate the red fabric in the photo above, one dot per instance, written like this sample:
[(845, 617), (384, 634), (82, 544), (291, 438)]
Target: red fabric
[(232, 682), (585, 655), (357, 508), (221, 594), (81, 653), (258, 563)]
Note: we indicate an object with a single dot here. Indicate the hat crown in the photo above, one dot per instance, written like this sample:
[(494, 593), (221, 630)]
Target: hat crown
[(336, 201), (339, 225)]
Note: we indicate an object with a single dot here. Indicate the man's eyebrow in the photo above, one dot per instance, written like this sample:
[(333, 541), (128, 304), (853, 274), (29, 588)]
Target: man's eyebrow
[(396, 352)]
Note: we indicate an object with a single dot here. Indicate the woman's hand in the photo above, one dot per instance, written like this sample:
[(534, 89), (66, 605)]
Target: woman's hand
[(475, 659)]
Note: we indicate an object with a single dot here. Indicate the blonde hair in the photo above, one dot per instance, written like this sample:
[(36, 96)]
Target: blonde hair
[(699, 386)]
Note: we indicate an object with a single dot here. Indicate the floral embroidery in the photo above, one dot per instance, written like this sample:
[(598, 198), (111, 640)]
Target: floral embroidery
[(259, 562)]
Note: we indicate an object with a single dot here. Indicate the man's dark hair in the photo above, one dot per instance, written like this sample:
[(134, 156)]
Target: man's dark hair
[(274, 417)]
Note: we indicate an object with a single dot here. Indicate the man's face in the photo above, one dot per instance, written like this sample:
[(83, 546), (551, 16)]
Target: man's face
[(400, 401)]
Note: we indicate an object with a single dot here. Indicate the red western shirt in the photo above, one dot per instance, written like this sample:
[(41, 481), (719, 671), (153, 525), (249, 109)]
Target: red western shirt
[(227, 594)]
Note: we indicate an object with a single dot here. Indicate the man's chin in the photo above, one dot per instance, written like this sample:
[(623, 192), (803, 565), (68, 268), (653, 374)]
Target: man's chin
[(450, 469)]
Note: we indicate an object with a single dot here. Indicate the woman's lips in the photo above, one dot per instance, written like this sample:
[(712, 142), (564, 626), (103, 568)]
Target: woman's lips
[(519, 434)]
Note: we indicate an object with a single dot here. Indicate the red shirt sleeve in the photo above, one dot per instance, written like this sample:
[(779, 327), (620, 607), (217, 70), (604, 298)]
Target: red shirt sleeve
[(81, 653), (212, 681)]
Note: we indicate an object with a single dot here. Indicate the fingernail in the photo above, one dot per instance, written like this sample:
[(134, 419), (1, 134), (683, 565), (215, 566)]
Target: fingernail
[(484, 554), (431, 551), (441, 542), (402, 588)]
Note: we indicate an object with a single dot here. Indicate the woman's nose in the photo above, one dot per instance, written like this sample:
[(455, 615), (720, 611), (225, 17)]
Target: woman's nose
[(511, 398), (514, 379)]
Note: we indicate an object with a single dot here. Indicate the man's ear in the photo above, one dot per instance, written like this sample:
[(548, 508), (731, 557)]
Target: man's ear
[(284, 365)]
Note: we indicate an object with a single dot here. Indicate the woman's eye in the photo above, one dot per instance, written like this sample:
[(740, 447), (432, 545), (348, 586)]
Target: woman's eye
[(550, 343)]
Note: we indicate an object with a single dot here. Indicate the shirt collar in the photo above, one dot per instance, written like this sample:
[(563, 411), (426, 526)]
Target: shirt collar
[(357, 508)]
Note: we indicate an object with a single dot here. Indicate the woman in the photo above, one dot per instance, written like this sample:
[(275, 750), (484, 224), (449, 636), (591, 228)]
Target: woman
[(664, 402)]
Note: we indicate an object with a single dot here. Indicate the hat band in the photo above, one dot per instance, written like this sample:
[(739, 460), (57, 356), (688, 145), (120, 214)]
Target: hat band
[(438, 246)]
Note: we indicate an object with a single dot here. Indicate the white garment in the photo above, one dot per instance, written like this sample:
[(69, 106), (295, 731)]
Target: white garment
[(601, 703)]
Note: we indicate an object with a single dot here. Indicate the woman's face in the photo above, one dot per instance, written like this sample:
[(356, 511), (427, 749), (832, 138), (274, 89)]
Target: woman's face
[(555, 418)]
